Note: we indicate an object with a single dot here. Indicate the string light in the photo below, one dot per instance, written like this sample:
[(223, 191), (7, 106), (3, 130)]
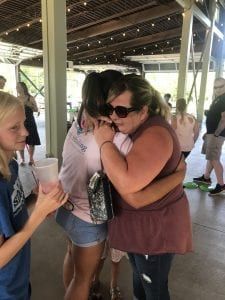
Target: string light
[(111, 38), (124, 34), (17, 29), (6, 33), (85, 3), (138, 30), (168, 19), (40, 20), (28, 25), (153, 24), (68, 9), (99, 42)]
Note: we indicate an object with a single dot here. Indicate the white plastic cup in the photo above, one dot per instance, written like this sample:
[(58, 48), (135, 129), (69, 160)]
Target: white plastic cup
[(46, 170)]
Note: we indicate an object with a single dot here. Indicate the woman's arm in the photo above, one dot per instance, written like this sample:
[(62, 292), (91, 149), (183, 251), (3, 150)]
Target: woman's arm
[(157, 189), (45, 205), (149, 154)]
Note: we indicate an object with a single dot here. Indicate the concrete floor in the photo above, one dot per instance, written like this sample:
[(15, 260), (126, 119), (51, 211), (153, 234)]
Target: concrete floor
[(196, 276)]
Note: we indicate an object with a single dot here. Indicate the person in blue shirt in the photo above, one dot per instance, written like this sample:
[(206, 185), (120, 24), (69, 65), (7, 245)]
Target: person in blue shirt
[(16, 227)]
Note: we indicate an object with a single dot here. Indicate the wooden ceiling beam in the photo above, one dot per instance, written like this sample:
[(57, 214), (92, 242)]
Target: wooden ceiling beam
[(133, 19), (172, 33)]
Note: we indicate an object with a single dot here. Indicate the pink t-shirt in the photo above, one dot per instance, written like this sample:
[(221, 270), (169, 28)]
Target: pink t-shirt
[(81, 159), (185, 132)]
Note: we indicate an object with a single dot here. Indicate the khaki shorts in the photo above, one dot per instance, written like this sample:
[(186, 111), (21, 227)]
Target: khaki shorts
[(212, 146)]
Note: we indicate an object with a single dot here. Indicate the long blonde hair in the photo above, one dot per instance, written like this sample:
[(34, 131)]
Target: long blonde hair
[(8, 105)]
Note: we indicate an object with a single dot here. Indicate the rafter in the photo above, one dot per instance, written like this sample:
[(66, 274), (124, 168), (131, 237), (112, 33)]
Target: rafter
[(116, 24), (133, 19), (200, 16), (131, 43)]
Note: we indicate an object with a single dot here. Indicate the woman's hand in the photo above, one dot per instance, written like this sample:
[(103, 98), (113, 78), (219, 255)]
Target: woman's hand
[(48, 203), (103, 131)]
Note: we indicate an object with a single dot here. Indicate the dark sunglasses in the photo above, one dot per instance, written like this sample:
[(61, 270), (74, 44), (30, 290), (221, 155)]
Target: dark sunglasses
[(121, 111)]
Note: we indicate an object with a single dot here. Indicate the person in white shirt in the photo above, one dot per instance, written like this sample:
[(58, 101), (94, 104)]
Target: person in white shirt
[(186, 127)]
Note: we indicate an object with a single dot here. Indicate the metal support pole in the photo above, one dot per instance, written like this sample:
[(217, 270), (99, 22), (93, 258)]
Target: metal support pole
[(206, 63), (54, 59), (185, 50)]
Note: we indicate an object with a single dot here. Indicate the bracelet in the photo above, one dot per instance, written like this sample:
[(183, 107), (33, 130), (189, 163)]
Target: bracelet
[(100, 148)]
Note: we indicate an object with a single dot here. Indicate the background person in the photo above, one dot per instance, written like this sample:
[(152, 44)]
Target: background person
[(214, 139), (16, 227), (30, 107), (167, 98), (186, 127), (151, 233), (2, 82)]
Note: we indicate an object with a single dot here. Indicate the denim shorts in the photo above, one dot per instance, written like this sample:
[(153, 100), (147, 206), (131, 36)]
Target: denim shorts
[(81, 233)]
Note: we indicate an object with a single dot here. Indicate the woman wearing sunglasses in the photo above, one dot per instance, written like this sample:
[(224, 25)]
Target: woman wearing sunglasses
[(151, 233), (81, 158)]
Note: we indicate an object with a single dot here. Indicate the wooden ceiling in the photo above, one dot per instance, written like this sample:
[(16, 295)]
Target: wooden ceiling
[(106, 32)]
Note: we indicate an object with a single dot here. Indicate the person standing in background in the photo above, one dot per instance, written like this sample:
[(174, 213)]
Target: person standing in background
[(214, 139), (2, 82), (167, 98), (185, 126), (30, 124)]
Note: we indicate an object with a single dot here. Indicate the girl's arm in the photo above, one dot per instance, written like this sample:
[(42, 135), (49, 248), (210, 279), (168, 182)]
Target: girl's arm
[(196, 130), (46, 203), (157, 189)]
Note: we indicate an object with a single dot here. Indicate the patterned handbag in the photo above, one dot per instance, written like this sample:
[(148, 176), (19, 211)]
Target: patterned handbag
[(100, 197)]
